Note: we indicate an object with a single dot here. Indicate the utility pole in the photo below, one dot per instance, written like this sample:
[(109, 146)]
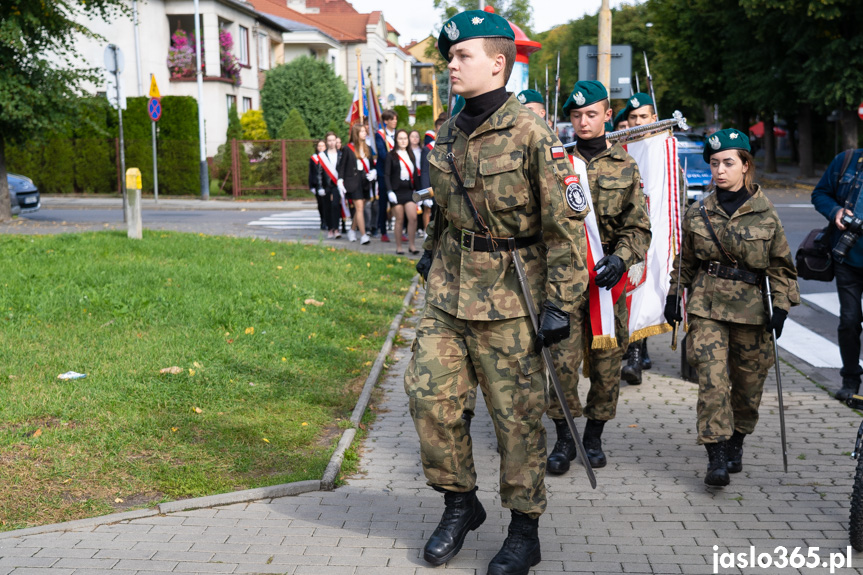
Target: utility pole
[(603, 56), (204, 169)]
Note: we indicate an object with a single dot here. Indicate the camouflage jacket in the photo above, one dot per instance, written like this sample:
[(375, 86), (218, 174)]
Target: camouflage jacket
[(618, 198), (755, 238), (518, 190)]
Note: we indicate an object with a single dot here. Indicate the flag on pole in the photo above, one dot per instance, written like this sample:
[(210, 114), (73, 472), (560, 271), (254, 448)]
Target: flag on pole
[(437, 106), (359, 100), (648, 282), (374, 114)]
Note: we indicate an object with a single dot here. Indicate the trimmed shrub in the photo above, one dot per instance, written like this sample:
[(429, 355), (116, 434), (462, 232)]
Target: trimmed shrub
[(254, 127), (404, 117)]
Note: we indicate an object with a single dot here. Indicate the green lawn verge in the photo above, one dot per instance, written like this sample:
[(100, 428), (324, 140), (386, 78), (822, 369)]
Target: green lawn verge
[(268, 374)]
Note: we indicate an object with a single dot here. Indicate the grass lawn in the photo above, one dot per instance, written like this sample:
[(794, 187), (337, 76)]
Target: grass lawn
[(273, 342)]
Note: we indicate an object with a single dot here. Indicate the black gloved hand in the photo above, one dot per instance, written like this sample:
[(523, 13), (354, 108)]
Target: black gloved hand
[(424, 265), (778, 320), (553, 326), (672, 313), (614, 269)]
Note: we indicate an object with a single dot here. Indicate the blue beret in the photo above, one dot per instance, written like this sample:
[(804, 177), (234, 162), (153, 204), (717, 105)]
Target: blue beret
[(729, 139), (585, 93), (472, 24)]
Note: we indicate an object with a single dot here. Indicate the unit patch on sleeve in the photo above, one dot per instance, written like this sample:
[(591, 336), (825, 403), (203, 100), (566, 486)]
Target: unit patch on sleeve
[(575, 194), (558, 153)]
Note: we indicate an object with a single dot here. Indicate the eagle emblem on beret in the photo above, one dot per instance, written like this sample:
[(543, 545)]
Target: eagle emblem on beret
[(451, 31), (521, 98), (634, 102), (477, 20), (733, 135), (579, 99), (714, 142)]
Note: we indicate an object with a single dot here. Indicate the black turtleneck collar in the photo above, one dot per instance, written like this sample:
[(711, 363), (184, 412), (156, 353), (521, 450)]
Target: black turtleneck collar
[(591, 148), (731, 201), (478, 109)]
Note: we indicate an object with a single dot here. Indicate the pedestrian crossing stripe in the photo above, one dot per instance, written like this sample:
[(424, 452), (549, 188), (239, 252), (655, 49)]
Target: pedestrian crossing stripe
[(814, 349), (294, 220)]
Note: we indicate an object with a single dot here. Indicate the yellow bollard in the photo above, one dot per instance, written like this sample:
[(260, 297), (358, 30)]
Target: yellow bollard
[(133, 196)]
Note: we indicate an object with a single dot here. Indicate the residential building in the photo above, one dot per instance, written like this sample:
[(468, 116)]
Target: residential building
[(422, 70)]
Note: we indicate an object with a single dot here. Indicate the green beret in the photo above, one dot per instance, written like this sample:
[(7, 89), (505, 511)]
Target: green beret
[(585, 93), (472, 24), (609, 127), (619, 117), (729, 139), (635, 102), (528, 96)]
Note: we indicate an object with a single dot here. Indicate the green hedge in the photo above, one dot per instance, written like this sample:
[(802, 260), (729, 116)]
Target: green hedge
[(83, 159), (404, 117)]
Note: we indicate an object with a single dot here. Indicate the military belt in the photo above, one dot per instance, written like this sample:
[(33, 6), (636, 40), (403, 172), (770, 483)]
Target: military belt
[(470, 241), (718, 270)]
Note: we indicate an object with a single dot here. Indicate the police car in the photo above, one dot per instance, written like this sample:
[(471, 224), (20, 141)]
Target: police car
[(24, 194)]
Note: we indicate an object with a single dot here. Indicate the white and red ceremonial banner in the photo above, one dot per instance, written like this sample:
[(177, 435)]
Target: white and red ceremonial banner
[(600, 300), (358, 102), (648, 283)]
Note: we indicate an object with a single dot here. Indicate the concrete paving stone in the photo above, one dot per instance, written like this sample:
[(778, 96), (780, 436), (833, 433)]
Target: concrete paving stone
[(206, 512), (102, 572), (149, 565), (27, 561), (177, 529), (85, 563), (266, 569), (124, 527), (359, 561), (60, 542), (230, 531), (386, 543), (40, 571), (337, 551), (242, 514), (103, 544), (183, 556), (274, 529), (141, 554), (211, 522), (205, 547), (177, 546), (149, 536), (298, 560), (209, 567), (20, 551), (71, 553), (286, 549), (259, 539)]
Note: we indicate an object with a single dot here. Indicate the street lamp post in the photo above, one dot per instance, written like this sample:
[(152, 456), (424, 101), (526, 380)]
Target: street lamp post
[(205, 173)]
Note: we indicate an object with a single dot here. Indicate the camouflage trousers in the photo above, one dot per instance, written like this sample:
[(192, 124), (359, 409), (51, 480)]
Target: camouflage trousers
[(450, 358), (732, 361), (603, 367)]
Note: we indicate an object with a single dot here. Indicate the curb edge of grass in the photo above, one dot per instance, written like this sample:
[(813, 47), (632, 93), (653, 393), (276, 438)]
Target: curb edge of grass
[(335, 464), (285, 489)]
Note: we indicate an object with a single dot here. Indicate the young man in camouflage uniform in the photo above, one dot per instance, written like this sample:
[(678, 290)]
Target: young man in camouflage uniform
[(475, 329), (533, 101), (624, 229)]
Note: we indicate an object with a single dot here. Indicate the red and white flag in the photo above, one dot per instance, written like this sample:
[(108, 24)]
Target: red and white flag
[(358, 103)]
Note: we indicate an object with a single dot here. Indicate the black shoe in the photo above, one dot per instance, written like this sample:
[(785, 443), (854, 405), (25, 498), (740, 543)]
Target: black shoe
[(463, 513), (564, 449), (717, 467), (734, 452), (520, 550), (849, 388), (645, 359), (593, 443), (631, 372)]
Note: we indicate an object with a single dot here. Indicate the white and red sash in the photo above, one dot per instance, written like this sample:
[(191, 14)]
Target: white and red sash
[(407, 166), (365, 161), (600, 300), (430, 145), (328, 167), (390, 142), (315, 158)]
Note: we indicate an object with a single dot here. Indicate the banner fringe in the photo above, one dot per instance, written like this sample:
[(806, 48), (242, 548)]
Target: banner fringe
[(649, 331), (604, 342)]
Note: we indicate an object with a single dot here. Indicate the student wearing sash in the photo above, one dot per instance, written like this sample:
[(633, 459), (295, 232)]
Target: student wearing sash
[(731, 240), (384, 142), (618, 235), (333, 191), (416, 151), (399, 180), (356, 167), (316, 183), (425, 180)]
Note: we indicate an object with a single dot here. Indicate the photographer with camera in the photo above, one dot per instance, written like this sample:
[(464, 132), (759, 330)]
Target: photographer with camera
[(835, 197)]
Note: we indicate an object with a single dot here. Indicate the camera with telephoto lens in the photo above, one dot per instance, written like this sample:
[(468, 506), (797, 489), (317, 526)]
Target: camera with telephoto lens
[(853, 231)]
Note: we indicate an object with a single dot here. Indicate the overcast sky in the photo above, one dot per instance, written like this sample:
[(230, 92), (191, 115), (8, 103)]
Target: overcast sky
[(414, 19)]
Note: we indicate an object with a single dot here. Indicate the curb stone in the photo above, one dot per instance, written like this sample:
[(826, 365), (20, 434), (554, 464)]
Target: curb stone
[(326, 483)]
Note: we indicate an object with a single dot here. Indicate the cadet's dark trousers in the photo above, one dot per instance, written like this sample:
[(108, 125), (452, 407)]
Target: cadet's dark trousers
[(333, 207), (849, 284), (451, 357), (383, 204)]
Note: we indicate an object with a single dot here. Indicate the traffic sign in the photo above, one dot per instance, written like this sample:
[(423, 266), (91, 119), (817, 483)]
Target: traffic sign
[(154, 109), (113, 59), (860, 110), (154, 89)]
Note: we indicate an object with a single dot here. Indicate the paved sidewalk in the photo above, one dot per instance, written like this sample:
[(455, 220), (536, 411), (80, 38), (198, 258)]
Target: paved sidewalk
[(651, 512)]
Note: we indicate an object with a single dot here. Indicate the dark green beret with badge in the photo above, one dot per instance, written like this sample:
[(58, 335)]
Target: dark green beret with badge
[(728, 139), (530, 96), (472, 24), (619, 117), (585, 93), (635, 102)]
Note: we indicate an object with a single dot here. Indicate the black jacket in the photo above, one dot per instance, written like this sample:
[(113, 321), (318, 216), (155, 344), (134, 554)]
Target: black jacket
[(315, 173), (393, 174)]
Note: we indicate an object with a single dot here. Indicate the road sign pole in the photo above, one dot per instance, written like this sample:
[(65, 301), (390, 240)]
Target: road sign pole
[(155, 171), (122, 144)]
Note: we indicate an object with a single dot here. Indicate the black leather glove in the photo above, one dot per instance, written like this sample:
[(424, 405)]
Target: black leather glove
[(612, 272), (424, 265), (778, 320), (553, 326), (672, 312)]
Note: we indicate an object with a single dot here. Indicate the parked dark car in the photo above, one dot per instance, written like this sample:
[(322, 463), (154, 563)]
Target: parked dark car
[(697, 172), (24, 194)]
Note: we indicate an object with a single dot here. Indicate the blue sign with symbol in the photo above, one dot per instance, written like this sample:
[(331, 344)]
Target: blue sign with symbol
[(154, 109)]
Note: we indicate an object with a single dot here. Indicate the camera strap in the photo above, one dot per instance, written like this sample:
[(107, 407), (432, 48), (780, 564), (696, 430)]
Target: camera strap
[(855, 184)]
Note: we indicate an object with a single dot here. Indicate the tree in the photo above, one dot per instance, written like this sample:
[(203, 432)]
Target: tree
[(254, 127), (312, 87), (223, 158), (37, 95), (519, 12)]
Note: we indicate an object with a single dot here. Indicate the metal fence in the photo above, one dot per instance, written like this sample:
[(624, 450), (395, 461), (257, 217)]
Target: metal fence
[(268, 167)]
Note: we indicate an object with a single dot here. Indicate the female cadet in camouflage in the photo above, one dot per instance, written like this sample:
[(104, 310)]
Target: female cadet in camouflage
[(475, 328), (731, 239)]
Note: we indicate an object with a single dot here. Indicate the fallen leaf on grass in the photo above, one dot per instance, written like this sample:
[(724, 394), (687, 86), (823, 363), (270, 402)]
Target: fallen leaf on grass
[(305, 423), (265, 440), (250, 331), (197, 410), (36, 433), (314, 302), (173, 370), (191, 372), (198, 365), (173, 430), (118, 500)]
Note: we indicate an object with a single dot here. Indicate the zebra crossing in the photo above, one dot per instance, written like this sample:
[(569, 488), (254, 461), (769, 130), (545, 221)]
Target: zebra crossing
[(809, 346), (293, 220)]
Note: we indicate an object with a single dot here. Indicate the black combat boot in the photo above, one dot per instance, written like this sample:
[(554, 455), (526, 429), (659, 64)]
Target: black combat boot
[(631, 371), (734, 452), (463, 513), (849, 388), (564, 449), (520, 550), (645, 359), (593, 443), (717, 467)]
